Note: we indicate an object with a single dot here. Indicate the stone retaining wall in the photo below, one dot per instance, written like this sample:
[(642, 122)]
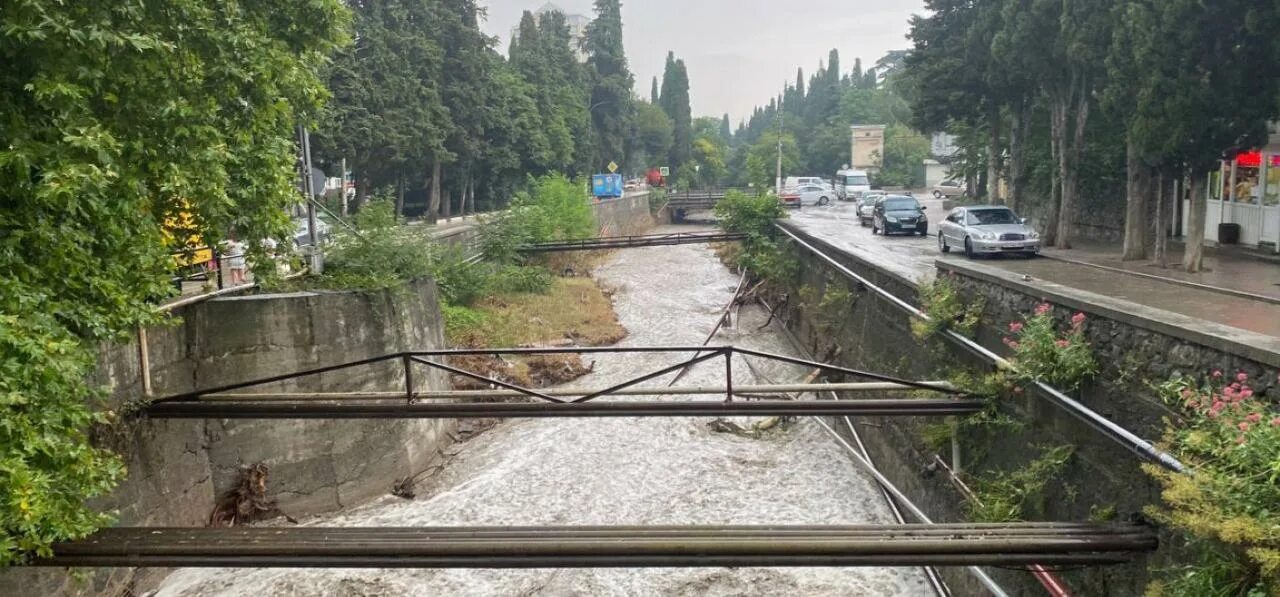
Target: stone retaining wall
[(622, 217), (1101, 476), (178, 468)]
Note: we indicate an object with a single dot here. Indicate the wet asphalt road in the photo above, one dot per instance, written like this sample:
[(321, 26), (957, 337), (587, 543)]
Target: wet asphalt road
[(914, 257)]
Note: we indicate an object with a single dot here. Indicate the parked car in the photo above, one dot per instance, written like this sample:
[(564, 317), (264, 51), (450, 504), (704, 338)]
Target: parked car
[(948, 188), (807, 195), (866, 207), (899, 213), (302, 231), (986, 230)]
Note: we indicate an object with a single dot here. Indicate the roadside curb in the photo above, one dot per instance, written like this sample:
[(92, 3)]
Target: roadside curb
[(1254, 346), (1196, 285)]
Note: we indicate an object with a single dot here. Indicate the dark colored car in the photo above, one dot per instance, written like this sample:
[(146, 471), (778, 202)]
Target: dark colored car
[(899, 213)]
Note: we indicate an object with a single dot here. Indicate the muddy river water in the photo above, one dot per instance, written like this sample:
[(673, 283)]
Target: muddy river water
[(622, 471)]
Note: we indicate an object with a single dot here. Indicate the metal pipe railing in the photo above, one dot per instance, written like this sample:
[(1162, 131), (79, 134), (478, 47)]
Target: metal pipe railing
[(553, 547), (1109, 428), (914, 407)]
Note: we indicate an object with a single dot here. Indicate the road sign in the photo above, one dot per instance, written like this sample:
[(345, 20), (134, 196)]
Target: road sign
[(665, 171), (613, 167)]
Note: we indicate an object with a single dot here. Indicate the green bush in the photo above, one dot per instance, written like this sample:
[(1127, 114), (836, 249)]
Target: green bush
[(1042, 353), (382, 254), (748, 214), (940, 301), (553, 208), (1231, 440), (754, 215), (460, 321), (1005, 497), (47, 465), (513, 279), (379, 255)]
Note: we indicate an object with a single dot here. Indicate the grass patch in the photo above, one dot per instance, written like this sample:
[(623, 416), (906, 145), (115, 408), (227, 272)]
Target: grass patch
[(576, 310)]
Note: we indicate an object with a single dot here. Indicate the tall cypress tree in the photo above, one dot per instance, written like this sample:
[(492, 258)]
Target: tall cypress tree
[(653, 92), (675, 102), (611, 104), (726, 131)]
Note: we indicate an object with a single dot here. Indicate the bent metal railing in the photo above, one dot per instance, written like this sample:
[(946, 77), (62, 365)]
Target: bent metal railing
[(625, 242), (220, 402), (925, 544)]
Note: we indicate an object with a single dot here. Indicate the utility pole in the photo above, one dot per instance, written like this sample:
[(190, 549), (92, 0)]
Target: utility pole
[(315, 260), (344, 187), (778, 181)]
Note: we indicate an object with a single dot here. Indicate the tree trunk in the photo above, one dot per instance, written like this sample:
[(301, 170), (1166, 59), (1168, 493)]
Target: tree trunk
[(471, 195), (1057, 133), (1163, 209), (433, 205), (993, 155), (1070, 166), (400, 196), (448, 206), (1017, 153), (1194, 257), (1135, 213)]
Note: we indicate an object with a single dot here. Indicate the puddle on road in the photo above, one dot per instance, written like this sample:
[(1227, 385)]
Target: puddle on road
[(622, 471)]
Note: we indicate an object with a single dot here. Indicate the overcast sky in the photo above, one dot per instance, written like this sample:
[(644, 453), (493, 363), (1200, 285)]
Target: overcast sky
[(738, 52)]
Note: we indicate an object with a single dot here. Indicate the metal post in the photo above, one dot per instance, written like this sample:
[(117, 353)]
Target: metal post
[(408, 378), (144, 361), (955, 444), (728, 376), (217, 264)]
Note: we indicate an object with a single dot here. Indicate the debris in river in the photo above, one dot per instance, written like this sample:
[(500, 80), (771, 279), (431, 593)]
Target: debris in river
[(247, 502), (756, 429)]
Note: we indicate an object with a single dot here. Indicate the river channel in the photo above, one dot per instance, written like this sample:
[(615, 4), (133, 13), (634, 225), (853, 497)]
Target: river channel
[(622, 471)]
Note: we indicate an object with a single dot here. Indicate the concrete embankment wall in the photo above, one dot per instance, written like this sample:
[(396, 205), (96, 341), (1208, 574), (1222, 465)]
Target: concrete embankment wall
[(1132, 347), (621, 217), (614, 217), (178, 468)]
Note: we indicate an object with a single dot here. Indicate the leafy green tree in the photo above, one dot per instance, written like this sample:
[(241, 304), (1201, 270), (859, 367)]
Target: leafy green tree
[(762, 158), (119, 116), (653, 133), (904, 153)]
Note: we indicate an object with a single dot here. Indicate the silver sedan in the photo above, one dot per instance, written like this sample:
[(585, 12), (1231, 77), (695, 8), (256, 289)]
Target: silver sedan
[(987, 230)]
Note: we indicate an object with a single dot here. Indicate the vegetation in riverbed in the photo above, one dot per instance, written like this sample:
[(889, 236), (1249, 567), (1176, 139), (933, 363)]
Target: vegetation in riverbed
[(1010, 496), (572, 311), (761, 251)]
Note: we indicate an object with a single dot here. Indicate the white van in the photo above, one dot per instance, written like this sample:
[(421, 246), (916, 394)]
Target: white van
[(797, 181), (851, 184)]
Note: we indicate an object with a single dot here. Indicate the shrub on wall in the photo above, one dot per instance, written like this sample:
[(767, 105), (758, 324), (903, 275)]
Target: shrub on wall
[(1231, 501)]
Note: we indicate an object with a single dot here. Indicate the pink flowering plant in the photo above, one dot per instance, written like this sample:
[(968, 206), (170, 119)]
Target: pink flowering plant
[(1230, 440), (1044, 351)]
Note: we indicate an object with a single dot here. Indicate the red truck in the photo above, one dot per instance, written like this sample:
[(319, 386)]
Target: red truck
[(654, 178)]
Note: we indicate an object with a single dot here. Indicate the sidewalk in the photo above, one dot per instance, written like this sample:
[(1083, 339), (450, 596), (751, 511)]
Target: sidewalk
[(1225, 272)]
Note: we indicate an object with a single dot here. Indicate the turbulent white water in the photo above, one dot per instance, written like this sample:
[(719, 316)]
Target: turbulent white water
[(622, 471)]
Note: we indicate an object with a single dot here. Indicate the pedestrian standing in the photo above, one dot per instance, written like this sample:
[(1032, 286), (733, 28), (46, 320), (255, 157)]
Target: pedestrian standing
[(235, 260)]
